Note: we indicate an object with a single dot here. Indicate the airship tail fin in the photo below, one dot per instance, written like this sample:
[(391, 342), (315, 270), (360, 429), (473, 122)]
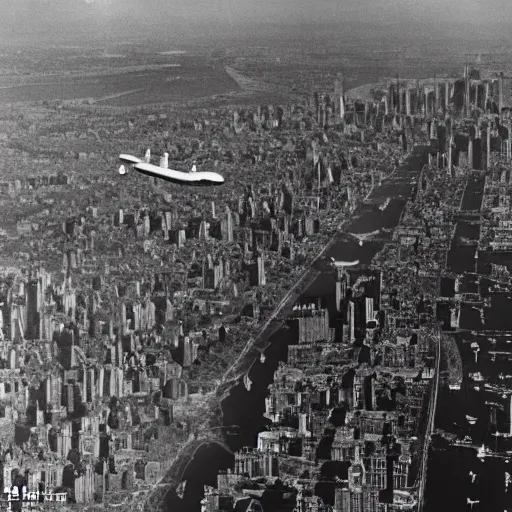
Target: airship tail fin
[(148, 156)]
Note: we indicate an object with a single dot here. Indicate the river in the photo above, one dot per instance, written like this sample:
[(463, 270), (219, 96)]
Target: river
[(449, 481), (246, 408)]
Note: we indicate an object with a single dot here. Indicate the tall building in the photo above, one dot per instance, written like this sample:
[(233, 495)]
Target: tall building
[(342, 500), (341, 290), (203, 230), (358, 496), (256, 464), (500, 93), (351, 321), (84, 486), (357, 472), (339, 92), (369, 309), (212, 276), (312, 325), (33, 308), (466, 90), (227, 226), (262, 278)]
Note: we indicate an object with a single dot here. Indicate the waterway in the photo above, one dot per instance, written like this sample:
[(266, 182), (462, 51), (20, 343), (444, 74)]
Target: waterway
[(246, 408), (456, 476)]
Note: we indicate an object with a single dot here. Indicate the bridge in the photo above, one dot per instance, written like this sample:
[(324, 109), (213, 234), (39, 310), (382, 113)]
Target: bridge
[(429, 428), (468, 214)]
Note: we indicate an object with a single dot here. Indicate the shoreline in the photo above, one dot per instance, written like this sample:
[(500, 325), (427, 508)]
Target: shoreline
[(248, 359)]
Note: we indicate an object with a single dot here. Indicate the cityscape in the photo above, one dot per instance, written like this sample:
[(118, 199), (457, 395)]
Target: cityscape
[(324, 325)]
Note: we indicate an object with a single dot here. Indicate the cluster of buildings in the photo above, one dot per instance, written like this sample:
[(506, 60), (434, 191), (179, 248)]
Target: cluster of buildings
[(354, 391), (89, 425), (345, 395), (101, 349), (127, 307), (362, 380)]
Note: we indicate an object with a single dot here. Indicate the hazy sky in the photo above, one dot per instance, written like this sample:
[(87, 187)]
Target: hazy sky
[(21, 16)]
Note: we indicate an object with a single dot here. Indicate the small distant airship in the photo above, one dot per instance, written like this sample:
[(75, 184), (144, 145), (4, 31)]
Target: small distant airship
[(162, 171), (362, 238), (471, 502), (342, 264)]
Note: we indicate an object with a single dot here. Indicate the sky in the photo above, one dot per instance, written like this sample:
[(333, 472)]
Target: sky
[(32, 16)]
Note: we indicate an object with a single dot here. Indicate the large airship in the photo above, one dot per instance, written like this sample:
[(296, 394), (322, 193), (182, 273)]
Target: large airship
[(162, 171)]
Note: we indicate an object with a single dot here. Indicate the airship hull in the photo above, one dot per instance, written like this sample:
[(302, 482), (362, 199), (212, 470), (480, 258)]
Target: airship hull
[(345, 263), (194, 179)]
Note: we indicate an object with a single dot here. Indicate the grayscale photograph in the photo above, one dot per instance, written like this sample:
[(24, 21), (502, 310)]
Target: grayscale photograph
[(256, 256)]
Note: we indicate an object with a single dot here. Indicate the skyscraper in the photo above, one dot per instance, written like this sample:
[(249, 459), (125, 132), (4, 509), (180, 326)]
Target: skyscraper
[(262, 279), (500, 93), (339, 92)]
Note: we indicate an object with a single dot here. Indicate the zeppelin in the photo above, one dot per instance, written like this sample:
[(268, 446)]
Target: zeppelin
[(162, 171)]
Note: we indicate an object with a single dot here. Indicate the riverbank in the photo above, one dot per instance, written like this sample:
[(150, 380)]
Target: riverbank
[(245, 407), (470, 399)]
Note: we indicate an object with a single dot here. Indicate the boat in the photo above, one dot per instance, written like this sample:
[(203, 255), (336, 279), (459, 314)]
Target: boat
[(482, 452), (383, 206), (471, 419)]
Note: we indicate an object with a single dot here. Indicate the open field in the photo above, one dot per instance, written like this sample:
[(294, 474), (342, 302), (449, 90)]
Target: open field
[(161, 85), (271, 65)]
